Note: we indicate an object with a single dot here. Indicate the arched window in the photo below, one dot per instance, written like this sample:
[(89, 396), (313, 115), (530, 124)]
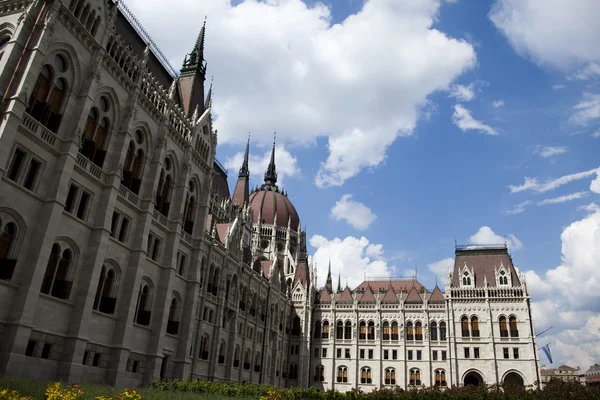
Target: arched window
[(433, 332), (418, 330), (464, 322), (163, 191), (365, 375), (503, 278), (296, 327), (442, 330), (144, 305), (503, 327), (39, 94), (58, 279), (390, 376), (342, 374), (134, 163), (410, 333), (293, 371), (466, 278), (317, 331), (7, 260), (362, 330), (215, 282), (394, 330), (386, 330), (339, 332), (257, 362), (319, 373), (371, 330), (474, 326), (440, 378), (514, 332), (48, 96), (189, 209), (95, 133), (204, 346), (325, 332), (3, 43), (236, 357), (173, 321), (415, 377), (348, 330), (247, 359), (106, 293)]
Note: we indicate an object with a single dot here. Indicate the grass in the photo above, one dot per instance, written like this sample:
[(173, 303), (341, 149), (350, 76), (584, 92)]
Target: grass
[(36, 390)]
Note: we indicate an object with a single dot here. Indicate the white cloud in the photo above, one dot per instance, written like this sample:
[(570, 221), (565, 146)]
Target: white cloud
[(595, 185), (590, 208), (498, 103), (285, 164), (562, 34), (485, 235), (464, 121), (549, 151), (519, 208), (563, 199), (351, 257), (590, 71), (462, 92), (280, 65), (596, 134), (568, 296), (353, 212), (558, 86), (440, 268), (587, 109), (533, 184)]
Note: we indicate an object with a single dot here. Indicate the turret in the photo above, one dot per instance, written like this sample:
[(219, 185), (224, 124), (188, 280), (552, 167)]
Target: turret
[(192, 77)]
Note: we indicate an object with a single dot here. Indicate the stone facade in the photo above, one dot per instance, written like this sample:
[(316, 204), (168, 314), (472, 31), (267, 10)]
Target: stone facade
[(123, 256)]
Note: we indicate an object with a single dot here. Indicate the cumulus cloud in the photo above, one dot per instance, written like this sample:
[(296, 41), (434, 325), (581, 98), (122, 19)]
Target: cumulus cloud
[(498, 103), (549, 151), (568, 297), (462, 92), (595, 185), (485, 235), (587, 109), (464, 121), (563, 199), (353, 212), (551, 32), (285, 163), (519, 208), (440, 268), (281, 65), (350, 257), (535, 185), (590, 71)]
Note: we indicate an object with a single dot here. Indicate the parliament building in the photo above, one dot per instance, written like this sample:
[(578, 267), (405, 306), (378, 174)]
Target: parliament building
[(124, 257)]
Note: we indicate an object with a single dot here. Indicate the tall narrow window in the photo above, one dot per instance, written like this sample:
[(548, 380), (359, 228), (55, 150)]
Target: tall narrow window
[(58, 279), (173, 321), (410, 333), (390, 376), (474, 326), (342, 375), (143, 313), (433, 332), (514, 332), (325, 334), (415, 377), (317, 331), (362, 330), (163, 191), (348, 330), (189, 209), (319, 373), (394, 330), (222, 349), (204, 346), (105, 300), (339, 334), (15, 164), (371, 331), (365, 375), (440, 378), (39, 95), (236, 357), (32, 171), (442, 330), (95, 133), (503, 327), (386, 330), (464, 322), (7, 261), (418, 330), (134, 163)]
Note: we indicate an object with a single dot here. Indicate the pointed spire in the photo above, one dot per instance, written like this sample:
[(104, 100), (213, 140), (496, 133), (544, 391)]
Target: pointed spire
[(195, 60), (339, 288), (208, 102), (328, 282), (244, 171), (271, 174)]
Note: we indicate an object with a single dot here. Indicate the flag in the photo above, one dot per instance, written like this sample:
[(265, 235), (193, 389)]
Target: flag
[(547, 351)]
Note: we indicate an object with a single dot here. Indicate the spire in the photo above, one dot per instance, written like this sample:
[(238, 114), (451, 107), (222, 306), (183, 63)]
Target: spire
[(193, 74), (328, 282), (241, 194), (271, 174), (208, 102), (339, 288), (194, 61), (244, 171)]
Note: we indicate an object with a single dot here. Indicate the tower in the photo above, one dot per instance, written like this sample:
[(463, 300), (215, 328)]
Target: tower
[(242, 187), (193, 75)]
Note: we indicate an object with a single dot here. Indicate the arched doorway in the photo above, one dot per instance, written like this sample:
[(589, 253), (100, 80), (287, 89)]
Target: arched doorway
[(514, 380), (473, 379)]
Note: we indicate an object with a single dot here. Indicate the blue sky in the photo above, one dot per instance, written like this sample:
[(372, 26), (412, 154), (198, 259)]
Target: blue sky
[(412, 132)]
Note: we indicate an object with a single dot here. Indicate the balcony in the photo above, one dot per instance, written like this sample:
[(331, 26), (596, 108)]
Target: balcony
[(129, 196), (38, 132)]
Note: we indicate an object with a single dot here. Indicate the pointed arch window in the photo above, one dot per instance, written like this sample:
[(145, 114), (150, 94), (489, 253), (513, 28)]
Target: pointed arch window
[(204, 346), (474, 326), (386, 330), (190, 209), (514, 331), (503, 278), (418, 330), (144, 305), (293, 371), (319, 373), (362, 330), (236, 357), (173, 321), (339, 332), (296, 327), (257, 363), (58, 279), (348, 330), (7, 259), (325, 332), (106, 292), (503, 326), (440, 378), (342, 374), (433, 332), (466, 280), (215, 282), (371, 330), (394, 330), (134, 163), (464, 323), (390, 376), (96, 131), (410, 333), (415, 377), (163, 191), (442, 330), (47, 99), (365, 375)]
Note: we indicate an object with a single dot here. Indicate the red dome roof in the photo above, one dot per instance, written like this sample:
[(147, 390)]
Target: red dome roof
[(269, 202)]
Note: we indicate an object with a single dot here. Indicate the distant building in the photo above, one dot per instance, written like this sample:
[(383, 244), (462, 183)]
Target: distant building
[(592, 375), (564, 373)]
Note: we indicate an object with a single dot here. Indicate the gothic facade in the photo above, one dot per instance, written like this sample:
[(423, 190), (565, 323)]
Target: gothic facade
[(124, 256)]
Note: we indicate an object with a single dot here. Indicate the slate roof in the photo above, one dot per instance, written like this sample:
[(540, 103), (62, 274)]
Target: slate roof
[(367, 297), (302, 274), (413, 296), (437, 296), (397, 285), (483, 260), (390, 297)]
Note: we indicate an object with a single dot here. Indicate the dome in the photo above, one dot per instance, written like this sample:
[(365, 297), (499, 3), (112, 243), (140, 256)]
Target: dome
[(268, 201)]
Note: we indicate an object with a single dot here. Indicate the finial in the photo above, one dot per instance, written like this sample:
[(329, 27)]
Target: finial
[(271, 174)]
